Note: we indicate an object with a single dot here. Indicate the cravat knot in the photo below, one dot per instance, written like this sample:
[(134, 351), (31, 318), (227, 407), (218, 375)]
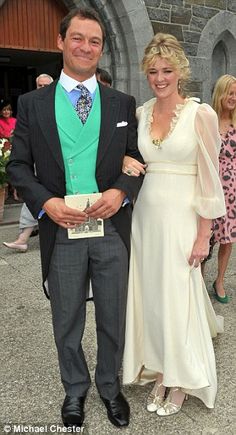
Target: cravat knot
[(83, 104)]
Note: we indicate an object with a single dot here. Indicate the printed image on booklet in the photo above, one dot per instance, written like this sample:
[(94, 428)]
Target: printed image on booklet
[(92, 227)]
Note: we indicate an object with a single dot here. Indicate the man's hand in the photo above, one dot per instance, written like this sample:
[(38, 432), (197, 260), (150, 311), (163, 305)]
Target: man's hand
[(63, 215), (107, 205)]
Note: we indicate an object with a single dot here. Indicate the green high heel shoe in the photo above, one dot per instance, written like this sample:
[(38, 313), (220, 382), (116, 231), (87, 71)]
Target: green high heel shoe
[(222, 299)]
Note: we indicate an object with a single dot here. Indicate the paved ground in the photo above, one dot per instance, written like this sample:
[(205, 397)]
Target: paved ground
[(30, 389)]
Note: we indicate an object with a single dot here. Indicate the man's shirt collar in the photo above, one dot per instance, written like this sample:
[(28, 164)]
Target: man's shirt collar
[(69, 84)]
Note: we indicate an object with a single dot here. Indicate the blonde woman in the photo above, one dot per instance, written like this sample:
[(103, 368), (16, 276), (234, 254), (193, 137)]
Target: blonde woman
[(224, 103), (170, 319)]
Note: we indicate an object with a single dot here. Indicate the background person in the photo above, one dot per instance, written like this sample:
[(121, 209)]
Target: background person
[(7, 121), (224, 103), (28, 226), (81, 132), (7, 127), (104, 77), (170, 319), (43, 80)]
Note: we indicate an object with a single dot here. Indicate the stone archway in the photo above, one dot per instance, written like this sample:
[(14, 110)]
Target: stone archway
[(220, 57), (220, 29), (128, 31)]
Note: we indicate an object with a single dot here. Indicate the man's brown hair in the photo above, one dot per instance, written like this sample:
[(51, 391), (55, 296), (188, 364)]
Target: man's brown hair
[(83, 13)]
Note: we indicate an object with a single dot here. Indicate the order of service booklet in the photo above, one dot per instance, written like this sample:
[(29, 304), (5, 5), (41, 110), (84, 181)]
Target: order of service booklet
[(93, 227)]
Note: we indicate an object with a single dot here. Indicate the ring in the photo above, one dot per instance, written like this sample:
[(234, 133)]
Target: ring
[(129, 172), (202, 259)]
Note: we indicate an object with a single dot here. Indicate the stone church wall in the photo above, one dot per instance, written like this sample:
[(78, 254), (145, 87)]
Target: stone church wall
[(206, 29)]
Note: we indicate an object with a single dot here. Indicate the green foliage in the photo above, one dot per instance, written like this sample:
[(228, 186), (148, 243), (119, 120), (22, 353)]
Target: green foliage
[(5, 151)]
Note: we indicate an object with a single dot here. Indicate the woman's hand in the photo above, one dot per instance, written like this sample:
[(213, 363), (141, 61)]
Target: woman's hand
[(200, 251), (133, 167), (201, 246)]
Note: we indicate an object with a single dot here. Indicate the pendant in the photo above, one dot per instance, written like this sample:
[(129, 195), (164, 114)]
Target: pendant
[(157, 143)]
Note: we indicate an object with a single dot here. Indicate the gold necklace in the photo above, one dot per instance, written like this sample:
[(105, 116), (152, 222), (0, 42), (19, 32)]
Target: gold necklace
[(157, 143)]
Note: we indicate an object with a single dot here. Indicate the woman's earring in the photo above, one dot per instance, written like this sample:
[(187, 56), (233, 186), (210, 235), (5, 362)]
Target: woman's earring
[(179, 86)]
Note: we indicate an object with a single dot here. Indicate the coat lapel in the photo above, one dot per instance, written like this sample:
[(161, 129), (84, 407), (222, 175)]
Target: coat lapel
[(45, 110), (110, 106)]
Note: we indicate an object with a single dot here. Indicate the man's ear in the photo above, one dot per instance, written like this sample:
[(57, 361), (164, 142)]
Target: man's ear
[(60, 43)]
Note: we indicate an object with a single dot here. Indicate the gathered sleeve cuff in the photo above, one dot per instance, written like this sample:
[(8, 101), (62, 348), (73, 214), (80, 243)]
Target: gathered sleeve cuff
[(209, 199)]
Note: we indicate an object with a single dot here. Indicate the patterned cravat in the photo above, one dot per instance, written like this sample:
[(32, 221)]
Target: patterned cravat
[(83, 104)]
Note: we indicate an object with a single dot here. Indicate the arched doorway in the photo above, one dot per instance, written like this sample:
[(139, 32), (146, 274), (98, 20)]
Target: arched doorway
[(219, 60), (216, 51)]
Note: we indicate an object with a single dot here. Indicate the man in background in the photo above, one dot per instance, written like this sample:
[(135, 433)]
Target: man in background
[(104, 77), (43, 80)]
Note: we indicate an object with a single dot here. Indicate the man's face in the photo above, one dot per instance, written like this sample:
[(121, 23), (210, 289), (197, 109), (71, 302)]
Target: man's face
[(42, 82), (82, 48)]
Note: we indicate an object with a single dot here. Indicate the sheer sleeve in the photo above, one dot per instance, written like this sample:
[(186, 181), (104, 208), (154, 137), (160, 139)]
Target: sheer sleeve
[(209, 200), (138, 112)]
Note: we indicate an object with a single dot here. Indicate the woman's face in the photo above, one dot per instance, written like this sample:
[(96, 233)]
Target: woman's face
[(229, 102), (163, 78), (6, 112)]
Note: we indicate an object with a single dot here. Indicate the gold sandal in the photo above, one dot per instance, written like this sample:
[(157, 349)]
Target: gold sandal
[(169, 407)]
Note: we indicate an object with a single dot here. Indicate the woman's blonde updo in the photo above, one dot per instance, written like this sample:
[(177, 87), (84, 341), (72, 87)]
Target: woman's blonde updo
[(167, 47)]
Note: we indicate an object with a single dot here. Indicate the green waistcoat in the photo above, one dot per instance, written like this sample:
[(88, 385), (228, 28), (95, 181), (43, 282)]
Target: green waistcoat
[(79, 143)]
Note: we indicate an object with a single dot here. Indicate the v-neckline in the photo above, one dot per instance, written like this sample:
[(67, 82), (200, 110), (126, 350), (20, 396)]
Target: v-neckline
[(177, 112)]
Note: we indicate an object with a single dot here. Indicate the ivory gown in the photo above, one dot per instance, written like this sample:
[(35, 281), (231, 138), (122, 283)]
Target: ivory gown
[(170, 319)]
